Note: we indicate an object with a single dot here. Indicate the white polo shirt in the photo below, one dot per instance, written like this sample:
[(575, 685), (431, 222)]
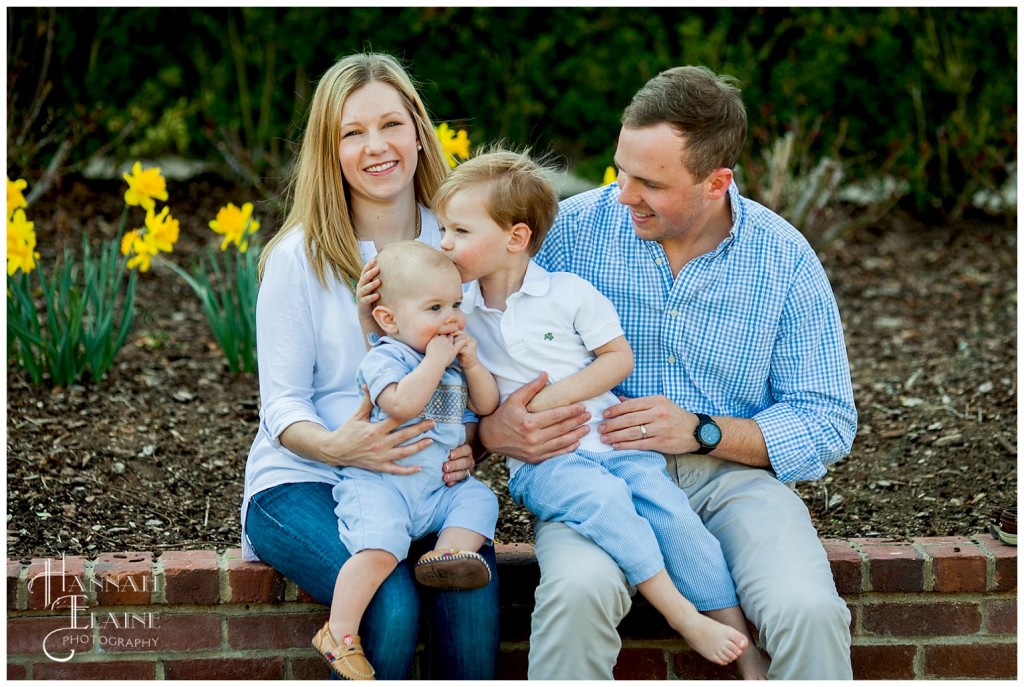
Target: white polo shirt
[(552, 324)]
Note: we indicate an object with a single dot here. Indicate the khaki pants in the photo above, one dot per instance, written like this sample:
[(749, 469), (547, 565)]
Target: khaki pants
[(781, 572)]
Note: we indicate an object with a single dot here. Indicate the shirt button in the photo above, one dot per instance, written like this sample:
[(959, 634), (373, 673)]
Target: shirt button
[(673, 313), (657, 261), (671, 360)]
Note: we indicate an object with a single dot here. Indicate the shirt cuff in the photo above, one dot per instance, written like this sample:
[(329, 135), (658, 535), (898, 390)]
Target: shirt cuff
[(790, 446), (281, 417)]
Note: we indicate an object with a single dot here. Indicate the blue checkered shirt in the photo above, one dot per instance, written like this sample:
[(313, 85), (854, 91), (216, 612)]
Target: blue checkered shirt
[(749, 330)]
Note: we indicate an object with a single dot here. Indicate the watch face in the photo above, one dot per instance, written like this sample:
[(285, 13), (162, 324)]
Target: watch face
[(710, 434)]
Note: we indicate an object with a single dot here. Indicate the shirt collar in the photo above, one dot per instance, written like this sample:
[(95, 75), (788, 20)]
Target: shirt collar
[(737, 210), (471, 297), (536, 282)]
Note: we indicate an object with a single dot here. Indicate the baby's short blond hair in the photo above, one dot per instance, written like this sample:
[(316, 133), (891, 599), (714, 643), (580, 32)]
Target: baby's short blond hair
[(405, 264)]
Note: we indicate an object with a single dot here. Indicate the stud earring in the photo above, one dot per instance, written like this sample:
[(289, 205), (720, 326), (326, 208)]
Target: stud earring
[(419, 147)]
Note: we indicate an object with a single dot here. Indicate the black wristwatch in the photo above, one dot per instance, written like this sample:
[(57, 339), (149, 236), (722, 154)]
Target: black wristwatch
[(708, 434)]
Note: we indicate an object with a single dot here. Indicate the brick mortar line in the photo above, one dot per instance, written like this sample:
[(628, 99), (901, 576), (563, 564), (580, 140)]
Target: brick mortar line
[(223, 627), (518, 644), (21, 592), (990, 564), (928, 570), (230, 610), (985, 619), (223, 581), (162, 655), (507, 549), (237, 608), (158, 571), (917, 663), (929, 597), (930, 640)]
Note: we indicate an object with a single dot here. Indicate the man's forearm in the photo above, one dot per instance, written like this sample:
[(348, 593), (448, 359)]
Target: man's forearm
[(742, 442)]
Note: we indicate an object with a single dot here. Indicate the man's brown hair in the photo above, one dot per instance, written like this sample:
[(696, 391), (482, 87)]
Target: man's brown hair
[(705, 107)]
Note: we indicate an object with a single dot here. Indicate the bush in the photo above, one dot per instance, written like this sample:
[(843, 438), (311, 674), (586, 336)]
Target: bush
[(928, 93)]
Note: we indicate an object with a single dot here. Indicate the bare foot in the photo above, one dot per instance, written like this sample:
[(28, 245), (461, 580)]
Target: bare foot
[(711, 639), (752, 664)]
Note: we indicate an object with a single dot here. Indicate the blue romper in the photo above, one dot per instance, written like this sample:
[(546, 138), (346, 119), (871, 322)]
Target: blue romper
[(383, 511)]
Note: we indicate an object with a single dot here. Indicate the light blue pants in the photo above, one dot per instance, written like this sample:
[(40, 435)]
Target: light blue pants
[(377, 510), (626, 503)]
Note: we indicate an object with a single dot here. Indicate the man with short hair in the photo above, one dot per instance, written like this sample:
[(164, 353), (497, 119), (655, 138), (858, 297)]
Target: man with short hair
[(741, 380)]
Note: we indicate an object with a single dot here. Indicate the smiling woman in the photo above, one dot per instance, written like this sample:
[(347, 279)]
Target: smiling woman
[(368, 164)]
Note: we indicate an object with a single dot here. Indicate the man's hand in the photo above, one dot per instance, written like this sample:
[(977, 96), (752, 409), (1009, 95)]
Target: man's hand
[(650, 423), (512, 430), (459, 465), (655, 423)]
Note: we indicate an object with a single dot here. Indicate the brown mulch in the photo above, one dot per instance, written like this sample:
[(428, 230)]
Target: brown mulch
[(152, 457)]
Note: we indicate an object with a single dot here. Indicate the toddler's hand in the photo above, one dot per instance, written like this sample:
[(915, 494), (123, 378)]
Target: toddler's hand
[(443, 346), (467, 349)]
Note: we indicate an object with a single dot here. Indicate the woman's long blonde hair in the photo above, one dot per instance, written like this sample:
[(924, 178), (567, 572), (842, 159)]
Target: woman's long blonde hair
[(317, 188)]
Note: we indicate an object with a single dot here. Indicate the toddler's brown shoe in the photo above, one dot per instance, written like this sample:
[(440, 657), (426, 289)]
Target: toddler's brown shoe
[(451, 569), (346, 658)]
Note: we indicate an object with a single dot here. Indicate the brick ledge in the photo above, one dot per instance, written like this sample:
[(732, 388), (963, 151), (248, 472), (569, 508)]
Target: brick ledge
[(931, 607)]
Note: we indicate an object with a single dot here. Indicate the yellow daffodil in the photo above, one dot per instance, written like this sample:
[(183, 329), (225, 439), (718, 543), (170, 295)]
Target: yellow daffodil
[(15, 198), (610, 175), (144, 186), (453, 144), (140, 260), (232, 223), (128, 240), (163, 230), (21, 243), (141, 246)]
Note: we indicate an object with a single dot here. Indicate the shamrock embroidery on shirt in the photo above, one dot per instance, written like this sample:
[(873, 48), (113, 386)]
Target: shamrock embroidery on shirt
[(549, 337)]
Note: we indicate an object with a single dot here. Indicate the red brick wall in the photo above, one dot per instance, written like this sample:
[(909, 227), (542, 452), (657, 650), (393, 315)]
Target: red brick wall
[(931, 608)]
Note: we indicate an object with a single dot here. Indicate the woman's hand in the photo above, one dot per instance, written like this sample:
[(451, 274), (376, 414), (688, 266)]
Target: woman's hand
[(363, 444), (366, 296), (514, 431)]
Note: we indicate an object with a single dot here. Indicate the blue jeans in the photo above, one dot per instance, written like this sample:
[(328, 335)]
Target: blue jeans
[(293, 529)]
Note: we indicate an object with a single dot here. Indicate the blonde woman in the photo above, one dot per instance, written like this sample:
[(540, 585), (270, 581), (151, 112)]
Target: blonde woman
[(368, 164)]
